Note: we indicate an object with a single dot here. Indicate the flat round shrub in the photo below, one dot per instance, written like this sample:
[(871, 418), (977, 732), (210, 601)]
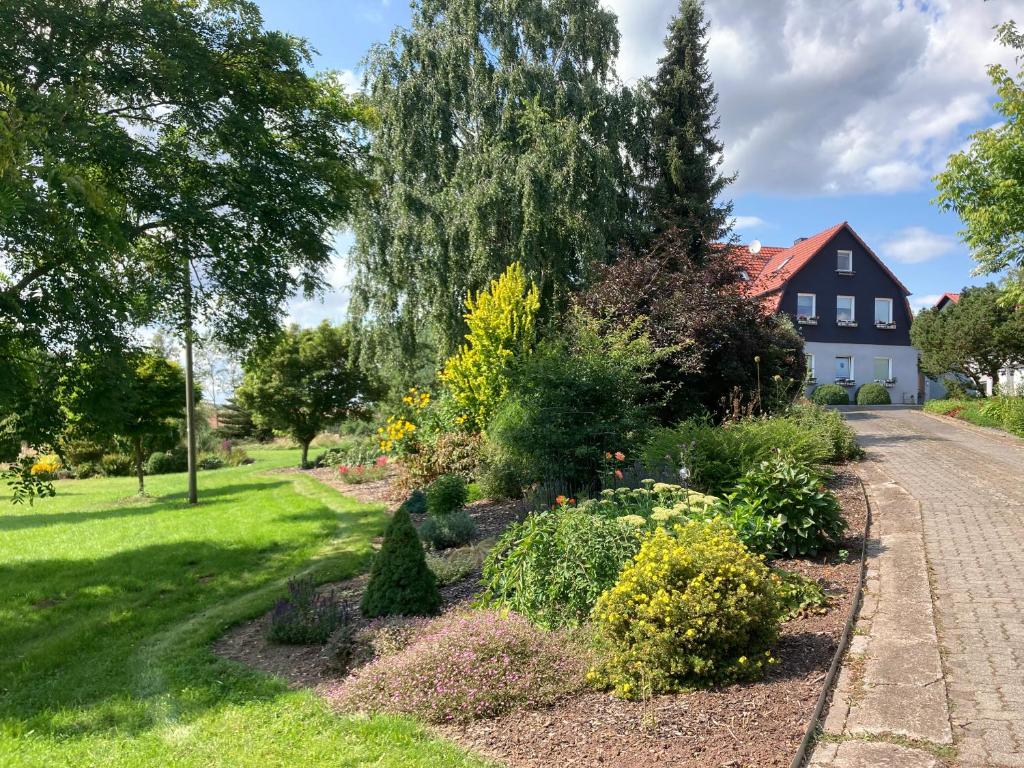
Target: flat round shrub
[(446, 495), (448, 531), (830, 394), (165, 463), (808, 513), (873, 393), (694, 607), (400, 583), (553, 566), (117, 464), (468, 666), (210, 461)]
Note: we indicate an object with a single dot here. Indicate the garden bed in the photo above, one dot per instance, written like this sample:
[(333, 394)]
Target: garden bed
[(750, 724)]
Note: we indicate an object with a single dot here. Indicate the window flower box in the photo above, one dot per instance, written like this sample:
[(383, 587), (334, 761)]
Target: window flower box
[(846, 323), (845, 272), (886, 326), (889, 383), (807, 319), (811, 380), (846, 382)]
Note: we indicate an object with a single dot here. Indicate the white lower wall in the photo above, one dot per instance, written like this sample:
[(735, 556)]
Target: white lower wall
[(904, 366)]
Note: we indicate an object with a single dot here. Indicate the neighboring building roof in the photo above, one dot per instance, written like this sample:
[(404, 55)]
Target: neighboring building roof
[(947, 298), (772, 267)]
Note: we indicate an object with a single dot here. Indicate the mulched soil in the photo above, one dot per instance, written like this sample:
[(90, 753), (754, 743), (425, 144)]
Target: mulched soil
[(757, 724)]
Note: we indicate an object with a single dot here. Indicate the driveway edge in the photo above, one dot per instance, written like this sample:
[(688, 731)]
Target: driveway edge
[(890, 706)]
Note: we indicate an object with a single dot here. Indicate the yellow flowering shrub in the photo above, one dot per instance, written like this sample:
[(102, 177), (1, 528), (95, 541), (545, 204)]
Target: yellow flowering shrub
[(501, 321), (694, 607), (398, 435), (46, 466)]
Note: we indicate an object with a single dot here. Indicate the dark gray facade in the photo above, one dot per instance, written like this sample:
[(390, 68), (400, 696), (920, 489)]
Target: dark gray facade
[(868, 282)]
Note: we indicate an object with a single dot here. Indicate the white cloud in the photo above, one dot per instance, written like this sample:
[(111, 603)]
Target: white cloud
[(348, 80), (747, 222), (836, 96), (927, 301), (915, 245), (333, 305)]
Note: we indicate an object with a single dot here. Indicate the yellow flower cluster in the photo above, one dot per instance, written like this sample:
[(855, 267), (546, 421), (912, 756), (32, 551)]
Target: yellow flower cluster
[(46, 465), (694, 607), (415, 398), (394, 431)]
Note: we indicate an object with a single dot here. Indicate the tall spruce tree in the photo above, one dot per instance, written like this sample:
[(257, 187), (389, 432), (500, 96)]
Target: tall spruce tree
[(687, 155), (502, 135)]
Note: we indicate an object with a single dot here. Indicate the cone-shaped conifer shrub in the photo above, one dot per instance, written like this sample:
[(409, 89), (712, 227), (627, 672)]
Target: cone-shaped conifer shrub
[(401, 584)]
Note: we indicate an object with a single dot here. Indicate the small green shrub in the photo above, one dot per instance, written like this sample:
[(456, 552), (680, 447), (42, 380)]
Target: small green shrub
[(87, 469), (167, 462), (117, 464), (830, 394), (446, 495), (416, 503), (451, 530), (873, 393), (809, 514), (1007, 411), (456, 564), (400, 582), (210, 461), (694, 607), (797, 594), (716, 456), (553, 566), (236, 457), (944, 406), (306, 617), (829, 426)]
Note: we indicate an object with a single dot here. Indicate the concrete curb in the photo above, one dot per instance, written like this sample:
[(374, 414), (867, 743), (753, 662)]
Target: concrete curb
[(844, 642)]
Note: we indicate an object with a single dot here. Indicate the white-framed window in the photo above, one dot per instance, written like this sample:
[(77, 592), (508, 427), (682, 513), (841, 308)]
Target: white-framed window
[(883, 310), (844, 367), (845, 309), (806, 305), (810, 365), (744, 275), (883, 368), (844, 261)]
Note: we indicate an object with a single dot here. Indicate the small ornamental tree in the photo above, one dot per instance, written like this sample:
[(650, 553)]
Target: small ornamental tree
[(401, 584), (873, 393), (502, 331), (976, 337), (307, 380)]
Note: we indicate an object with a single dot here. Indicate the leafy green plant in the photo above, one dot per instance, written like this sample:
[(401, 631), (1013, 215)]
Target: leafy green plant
[(829, 426), (798, 595), (809, 514), (400, 581), (306, 616), (446, 495), (553, 566), (456, 564), (694, 607), (451, 530), (830, 394), (416, 503), (873, 393), (210, 461), (162, 463)]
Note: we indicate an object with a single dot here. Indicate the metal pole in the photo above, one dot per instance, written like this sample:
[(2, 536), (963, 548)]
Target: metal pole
[(190, 404)]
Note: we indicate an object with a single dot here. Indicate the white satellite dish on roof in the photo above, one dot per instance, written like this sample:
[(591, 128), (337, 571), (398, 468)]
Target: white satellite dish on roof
[(755, 247)]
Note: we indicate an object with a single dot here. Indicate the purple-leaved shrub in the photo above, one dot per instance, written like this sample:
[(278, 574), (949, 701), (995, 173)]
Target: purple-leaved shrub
[(468, 666)]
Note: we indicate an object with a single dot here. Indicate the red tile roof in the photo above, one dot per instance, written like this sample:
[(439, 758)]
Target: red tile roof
[(946, 298), (772, 267)]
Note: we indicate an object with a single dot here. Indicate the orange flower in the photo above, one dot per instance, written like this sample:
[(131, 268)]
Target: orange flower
[(607, 455), (559, 500), (618, 473), (572, 501), (620, 456)]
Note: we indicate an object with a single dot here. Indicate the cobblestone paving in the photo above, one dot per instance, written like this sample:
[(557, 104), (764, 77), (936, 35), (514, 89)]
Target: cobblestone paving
[(971, 489)]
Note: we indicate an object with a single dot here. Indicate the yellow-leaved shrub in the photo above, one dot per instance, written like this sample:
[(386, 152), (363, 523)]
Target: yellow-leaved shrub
[(502, 329), (694, 607)]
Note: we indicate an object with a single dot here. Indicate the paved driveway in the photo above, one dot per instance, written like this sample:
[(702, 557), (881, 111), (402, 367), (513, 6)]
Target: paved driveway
[(971, 490)]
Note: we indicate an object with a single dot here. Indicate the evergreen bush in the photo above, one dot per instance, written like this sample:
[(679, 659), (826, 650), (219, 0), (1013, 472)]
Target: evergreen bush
[(830, 394), (873, 393), (446, 531), (400, 582), (447, 494)]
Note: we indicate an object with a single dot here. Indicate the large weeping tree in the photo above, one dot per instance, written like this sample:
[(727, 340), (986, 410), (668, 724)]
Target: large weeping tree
[(502, 135), (168, 162), (686, 153)]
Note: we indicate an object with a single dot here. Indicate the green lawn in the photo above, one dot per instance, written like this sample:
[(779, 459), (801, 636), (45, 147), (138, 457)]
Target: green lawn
[(108, 604)]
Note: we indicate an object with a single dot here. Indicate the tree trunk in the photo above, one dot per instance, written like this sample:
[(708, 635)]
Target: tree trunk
[(190, 404), (138, 466), (305, 453)]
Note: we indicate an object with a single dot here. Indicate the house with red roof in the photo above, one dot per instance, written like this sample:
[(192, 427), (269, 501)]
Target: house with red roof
[(851, 310)]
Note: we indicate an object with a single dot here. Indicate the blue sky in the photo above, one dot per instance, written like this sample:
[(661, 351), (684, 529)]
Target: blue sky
[(831, 110)]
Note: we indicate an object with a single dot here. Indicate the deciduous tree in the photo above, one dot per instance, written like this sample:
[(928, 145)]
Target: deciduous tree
[(305, 381)]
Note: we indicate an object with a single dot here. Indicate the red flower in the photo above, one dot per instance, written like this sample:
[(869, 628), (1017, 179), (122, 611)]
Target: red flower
[(343, 469), (381, 461), (559, 500), (620, 456), (618, 473), (572, 501)]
